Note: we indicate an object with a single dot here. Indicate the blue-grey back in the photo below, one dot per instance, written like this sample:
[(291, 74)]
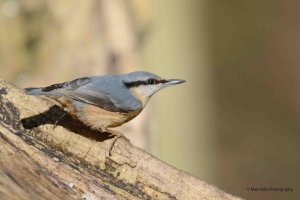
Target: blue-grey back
[(108, 92)]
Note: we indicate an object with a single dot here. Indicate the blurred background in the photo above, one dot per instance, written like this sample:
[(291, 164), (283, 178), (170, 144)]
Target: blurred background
[(235, 123)]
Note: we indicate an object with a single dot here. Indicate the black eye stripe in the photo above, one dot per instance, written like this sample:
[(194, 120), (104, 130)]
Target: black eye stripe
[(135, 83), (138, 83)]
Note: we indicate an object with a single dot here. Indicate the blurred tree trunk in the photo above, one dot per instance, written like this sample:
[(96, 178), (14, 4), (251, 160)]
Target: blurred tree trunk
[(46, 42), (176, 48), (72, 162)]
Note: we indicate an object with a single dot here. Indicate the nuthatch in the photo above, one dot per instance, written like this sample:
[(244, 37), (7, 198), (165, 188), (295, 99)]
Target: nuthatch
[(105, 101)]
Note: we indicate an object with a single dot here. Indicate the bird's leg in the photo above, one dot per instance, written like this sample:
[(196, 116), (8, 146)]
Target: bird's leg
[(116, 135), (57, 120)]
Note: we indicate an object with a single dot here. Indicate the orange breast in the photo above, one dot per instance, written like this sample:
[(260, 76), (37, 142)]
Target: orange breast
[(96, 117)]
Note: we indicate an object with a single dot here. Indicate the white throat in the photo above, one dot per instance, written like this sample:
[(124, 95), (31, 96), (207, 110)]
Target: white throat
[(144, 92)]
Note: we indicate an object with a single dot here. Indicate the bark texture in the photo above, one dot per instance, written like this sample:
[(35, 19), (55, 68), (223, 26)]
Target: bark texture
[(72, 162)]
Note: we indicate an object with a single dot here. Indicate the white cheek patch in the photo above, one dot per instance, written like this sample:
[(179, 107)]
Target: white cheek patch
[(144, 92), (147, 91)]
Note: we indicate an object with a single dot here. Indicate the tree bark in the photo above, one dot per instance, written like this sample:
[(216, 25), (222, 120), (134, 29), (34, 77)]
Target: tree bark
[(71, 161)]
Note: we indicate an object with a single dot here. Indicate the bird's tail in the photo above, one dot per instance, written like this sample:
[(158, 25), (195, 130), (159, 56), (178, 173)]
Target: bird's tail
[(35, 91), (49, 90)]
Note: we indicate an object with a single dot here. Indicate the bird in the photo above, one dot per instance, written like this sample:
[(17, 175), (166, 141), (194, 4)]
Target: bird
[(108, 100), (105, 101)]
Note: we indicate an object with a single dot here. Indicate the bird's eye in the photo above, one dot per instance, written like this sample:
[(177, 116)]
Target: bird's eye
[(151, 81)]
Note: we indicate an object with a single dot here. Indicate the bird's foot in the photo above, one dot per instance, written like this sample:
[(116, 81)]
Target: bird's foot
[(124, 156), (116, 136), (58, 120)]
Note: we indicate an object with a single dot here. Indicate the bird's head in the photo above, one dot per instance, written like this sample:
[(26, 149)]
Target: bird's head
[(144, 84)]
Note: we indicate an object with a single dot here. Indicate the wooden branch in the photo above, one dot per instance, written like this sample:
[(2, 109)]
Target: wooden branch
[(71, 161)]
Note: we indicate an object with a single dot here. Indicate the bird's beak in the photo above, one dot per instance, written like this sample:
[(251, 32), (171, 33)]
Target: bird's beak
[(170, 82)]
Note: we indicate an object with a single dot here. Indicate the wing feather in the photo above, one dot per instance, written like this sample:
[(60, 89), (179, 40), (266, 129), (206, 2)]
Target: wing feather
[(107, 93)]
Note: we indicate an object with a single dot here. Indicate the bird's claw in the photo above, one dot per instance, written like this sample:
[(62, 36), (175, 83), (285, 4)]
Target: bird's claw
[(58, 120), (116, 137)]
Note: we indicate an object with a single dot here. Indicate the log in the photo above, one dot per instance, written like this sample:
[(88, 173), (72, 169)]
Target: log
[(70, 161)]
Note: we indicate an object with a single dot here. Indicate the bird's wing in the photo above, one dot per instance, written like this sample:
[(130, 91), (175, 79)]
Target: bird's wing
[(105, 93)]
